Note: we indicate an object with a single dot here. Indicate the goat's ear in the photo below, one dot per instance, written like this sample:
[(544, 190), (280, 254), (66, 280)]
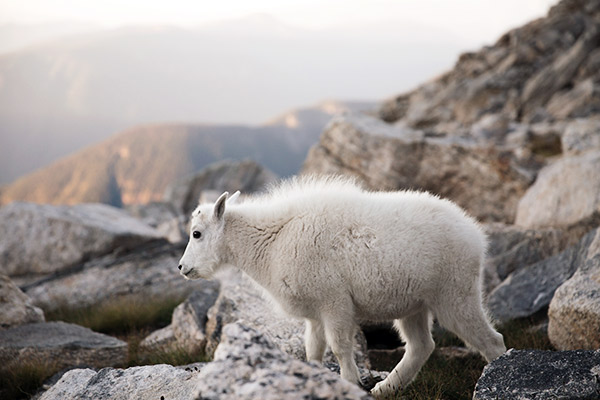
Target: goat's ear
[(233, 198), (220, 205)]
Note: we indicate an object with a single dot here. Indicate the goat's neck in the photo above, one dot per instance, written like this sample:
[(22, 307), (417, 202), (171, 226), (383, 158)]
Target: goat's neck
[(248, 245)]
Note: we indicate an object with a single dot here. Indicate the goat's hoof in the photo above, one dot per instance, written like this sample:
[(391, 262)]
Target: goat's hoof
[(383, 390), (368, 382)]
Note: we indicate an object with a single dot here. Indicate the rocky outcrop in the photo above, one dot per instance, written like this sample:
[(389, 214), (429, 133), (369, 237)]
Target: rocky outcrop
[(566, 193), (187, 330), (574, 313), (544, 71), (148, 382), (486, 182), (60, 345), (42, 239), (16, 308), (245, 176), (536, 374), (148, 270), (529, 290)]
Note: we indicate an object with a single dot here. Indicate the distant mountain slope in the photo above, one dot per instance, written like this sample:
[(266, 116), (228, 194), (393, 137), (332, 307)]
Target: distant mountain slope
[(136, 166), (58, 97)]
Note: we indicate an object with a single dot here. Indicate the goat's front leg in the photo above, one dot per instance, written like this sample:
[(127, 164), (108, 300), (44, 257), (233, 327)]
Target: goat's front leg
[(339, 332), (314, 340)]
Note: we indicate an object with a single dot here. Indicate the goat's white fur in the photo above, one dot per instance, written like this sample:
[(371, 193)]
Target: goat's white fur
[(333, 254)]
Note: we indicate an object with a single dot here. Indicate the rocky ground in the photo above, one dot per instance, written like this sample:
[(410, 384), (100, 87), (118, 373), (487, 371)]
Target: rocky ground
[(512, 134)]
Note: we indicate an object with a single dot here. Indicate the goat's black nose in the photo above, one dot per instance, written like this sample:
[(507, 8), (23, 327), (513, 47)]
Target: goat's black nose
[(179, 267)]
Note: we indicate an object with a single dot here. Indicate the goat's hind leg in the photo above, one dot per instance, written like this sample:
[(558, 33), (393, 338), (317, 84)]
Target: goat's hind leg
[(314, 340), (416, 332), (467, 320)]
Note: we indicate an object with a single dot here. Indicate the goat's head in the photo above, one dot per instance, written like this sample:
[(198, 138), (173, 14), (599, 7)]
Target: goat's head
[(204, 252)]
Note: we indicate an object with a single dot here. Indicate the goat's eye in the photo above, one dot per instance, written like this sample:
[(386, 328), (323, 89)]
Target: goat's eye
[(196, 234)]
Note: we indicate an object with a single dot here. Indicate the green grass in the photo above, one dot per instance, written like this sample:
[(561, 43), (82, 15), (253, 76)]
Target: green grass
[(130, 319), (455, 378)]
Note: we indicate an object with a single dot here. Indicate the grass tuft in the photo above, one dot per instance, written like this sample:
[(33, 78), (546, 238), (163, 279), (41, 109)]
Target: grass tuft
[(119, 316), (23, 380)]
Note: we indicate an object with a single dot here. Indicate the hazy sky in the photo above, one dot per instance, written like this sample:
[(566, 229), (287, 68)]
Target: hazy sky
[(478, 21)]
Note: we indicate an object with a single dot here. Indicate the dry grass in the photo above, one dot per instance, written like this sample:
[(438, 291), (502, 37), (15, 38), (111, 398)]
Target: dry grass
[(119, 316), (21, 381)]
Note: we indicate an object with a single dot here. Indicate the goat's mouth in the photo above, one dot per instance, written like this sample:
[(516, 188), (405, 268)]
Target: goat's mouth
[(191, 274)]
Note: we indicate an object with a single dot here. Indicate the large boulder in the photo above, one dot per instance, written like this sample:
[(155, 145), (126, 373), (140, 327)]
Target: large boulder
[(241, 299), (537, 374), (565, 194), (245, 176), (60, 345), (16, 308), (147, 382), (42, 239), (512, 248), (187, 330), (147, 271), (530, 289), (248, 365), (574, 313), (486, 182)]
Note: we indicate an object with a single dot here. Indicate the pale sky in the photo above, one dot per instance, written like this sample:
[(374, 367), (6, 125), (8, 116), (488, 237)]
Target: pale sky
[(468, 19)]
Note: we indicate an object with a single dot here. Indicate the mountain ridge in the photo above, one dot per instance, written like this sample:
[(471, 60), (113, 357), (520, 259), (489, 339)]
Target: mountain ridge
[(136, 165)]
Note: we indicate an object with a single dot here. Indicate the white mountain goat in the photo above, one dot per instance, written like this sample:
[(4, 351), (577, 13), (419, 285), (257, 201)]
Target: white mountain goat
[(334, 254)]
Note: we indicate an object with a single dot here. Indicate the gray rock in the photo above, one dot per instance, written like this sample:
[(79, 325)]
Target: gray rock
[(245, 176), (248, 365), (147, 382), (41, 239), (187, 330), (574, 313), (512, 248), (147, 271), (60, 344), (189, 318), (581, 135), (528, 290), (162, 340), (536, 374), (488, 183), (164, 218), (16, 308), (566, 193), (242, 299)]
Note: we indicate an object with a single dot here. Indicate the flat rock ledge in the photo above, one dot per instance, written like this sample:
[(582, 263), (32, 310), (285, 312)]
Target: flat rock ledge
[(538, 374), (61, 345), (147, 382)]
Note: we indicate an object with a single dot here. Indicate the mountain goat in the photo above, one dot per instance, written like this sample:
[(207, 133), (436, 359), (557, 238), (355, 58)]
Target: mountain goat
[(334, 254)]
